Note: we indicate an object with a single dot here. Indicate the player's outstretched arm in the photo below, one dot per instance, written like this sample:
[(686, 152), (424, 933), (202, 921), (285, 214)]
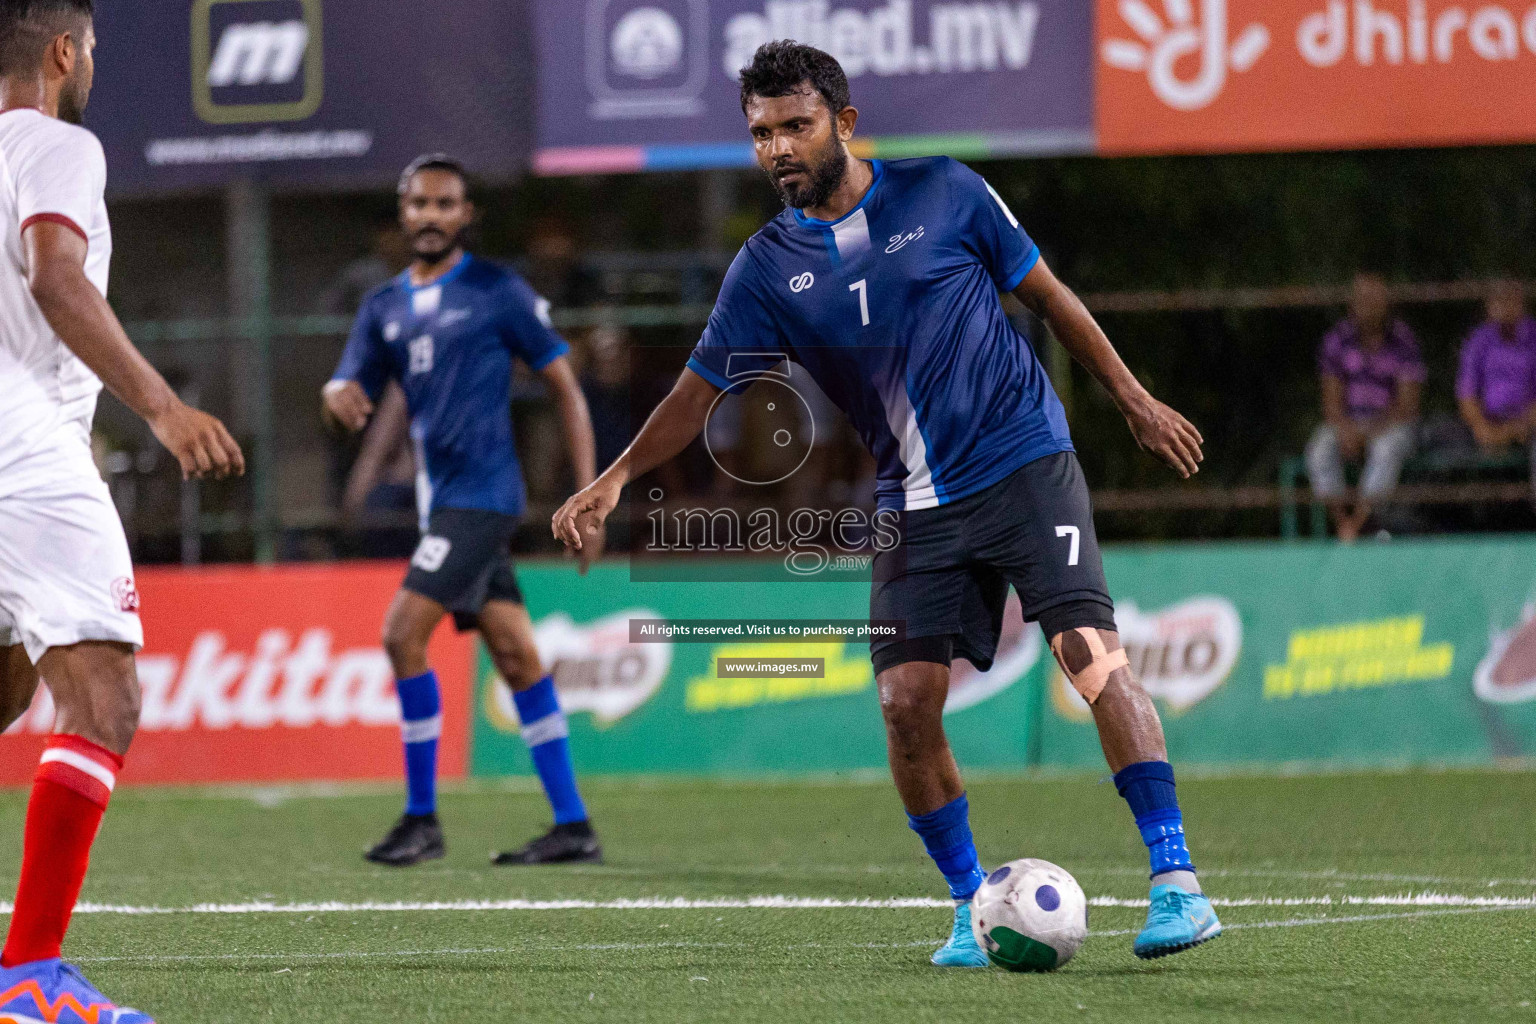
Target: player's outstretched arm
[(86, 324), (576, 420), (672, 426), (390, 427), (1156, 427)]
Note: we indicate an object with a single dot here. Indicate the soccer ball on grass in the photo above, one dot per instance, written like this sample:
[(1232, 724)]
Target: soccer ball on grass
[(1030, 915)]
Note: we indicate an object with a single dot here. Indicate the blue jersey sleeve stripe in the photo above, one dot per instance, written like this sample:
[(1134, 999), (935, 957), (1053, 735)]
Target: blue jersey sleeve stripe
[(1018, 276), (714, 378), (554, 353)]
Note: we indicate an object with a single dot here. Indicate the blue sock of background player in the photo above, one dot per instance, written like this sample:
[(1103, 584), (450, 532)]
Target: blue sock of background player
[(545, 731), (421, 724)]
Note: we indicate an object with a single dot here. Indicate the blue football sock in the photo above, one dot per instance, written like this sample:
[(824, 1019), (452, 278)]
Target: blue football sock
[(421, 723), (1148, 787), (946, 835), (545, 731)]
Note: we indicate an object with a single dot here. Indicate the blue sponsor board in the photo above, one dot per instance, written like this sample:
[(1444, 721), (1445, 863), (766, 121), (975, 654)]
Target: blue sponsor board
[(318, 93), (651, 84)]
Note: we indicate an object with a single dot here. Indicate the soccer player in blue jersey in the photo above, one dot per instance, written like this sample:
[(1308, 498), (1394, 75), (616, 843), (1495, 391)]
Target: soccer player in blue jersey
[(882, 280), (447, 330)]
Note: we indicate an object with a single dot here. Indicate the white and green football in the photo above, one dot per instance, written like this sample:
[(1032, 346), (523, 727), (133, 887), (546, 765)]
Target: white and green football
[(1030, 915)]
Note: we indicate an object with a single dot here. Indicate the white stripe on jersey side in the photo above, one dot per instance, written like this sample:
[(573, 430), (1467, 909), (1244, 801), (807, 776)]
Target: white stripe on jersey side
[(852, 234), (1007, 212), (902, 418), (423, 481)]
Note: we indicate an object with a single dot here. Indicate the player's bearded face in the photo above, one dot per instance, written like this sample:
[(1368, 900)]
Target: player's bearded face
[(433, 243), (435, 214), (77, 87), (815, 174)]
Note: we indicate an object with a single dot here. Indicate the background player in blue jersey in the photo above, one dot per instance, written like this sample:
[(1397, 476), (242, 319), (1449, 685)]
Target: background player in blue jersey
[(882, 279), (447, 329)]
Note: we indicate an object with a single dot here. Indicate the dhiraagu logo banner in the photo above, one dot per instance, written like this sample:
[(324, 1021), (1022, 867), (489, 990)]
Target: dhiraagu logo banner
[(1254, 653)]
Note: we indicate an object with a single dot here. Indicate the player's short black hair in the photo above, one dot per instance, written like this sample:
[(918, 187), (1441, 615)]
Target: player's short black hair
[(784, 66), (27, 25), (433, 162)]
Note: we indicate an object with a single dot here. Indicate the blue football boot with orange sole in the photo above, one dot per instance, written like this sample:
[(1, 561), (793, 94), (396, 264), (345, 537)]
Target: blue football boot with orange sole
[(55, 992)]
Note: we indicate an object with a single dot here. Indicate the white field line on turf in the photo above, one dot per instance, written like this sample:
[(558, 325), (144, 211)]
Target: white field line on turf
[(1308, 922), (1421, 899), (1295, 922)]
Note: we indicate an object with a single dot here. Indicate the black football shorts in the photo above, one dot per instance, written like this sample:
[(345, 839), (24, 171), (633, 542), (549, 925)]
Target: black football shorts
[(464, 560), (949, 575)]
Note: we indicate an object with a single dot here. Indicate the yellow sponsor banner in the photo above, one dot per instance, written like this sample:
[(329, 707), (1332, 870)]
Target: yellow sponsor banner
[(845, 672), (1357, 656)]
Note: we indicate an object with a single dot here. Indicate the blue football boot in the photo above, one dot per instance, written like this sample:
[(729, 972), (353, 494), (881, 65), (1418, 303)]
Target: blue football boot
[(54, 992), (1176, 921), (961, 950)]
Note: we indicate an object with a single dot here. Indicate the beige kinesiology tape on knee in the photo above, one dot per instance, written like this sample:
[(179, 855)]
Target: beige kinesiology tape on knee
[(1090, 681)]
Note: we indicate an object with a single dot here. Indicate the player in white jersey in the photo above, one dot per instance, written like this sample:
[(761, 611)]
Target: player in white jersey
[(68, 607)]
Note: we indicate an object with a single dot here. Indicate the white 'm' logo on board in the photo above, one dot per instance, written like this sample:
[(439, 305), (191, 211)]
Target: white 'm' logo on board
[(259, 53)]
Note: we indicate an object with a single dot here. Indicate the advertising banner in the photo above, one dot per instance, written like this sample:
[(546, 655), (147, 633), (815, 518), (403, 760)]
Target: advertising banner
[(628, 85), (1212, 76), (1259, 654), (661, 706), (1396, 653), (317, 93), (256, 675)]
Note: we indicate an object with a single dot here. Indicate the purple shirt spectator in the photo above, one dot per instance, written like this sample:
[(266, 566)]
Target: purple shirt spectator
[(1370, 377), (1499, 372)]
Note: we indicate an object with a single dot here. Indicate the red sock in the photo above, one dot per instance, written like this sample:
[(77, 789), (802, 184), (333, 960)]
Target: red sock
[(69, 793)]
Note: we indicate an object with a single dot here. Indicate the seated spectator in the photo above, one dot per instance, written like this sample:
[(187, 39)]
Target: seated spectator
[(1372, 376), (1496, 383)]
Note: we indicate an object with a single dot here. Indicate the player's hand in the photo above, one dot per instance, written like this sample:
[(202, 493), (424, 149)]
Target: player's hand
[(344, 403), (199, 441), (579, 522), (591, 549), (1169, 436)]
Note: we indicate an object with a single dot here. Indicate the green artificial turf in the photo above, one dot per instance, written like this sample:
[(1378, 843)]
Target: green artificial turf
[(1462, 833)]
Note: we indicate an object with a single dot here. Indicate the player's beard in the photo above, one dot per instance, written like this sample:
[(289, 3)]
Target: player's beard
[(72, 102), (433, 252), (822, 178)]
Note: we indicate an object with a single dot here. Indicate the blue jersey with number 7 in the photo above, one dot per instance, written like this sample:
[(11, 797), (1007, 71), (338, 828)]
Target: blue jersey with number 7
[(894, 310)]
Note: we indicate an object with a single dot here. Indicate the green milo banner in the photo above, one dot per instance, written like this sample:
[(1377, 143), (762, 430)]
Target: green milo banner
[(1260, 654)]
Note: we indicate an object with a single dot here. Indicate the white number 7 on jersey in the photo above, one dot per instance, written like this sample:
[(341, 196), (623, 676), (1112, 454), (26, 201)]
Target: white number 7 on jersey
[(862, 287), (1077, 539)]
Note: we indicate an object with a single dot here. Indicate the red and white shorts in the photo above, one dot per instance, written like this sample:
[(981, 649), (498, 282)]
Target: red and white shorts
[(65, 572)]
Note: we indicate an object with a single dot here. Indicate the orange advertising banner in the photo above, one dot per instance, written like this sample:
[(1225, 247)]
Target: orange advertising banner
[(267, 674), (1201, 76)]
